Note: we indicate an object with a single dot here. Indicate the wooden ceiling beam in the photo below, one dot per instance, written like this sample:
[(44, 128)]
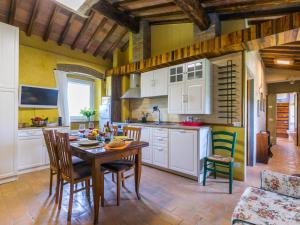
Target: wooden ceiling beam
[(256, 12), (176, 21), (50, 23), (12, 12), (33, 17), (82, 30), (120, 17), (93, 37), (66, 29), (107, 36), (195, 12), (115, 44)]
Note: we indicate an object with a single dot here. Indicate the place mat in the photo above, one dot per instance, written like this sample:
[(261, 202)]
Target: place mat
[(87, 147), (127, 143)]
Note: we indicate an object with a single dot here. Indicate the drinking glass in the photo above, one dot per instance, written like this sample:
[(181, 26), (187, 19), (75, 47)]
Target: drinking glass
[(81, 128)]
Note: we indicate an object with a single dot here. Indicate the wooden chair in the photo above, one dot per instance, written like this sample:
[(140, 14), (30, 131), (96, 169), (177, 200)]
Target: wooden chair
[(115, 130), (223, 149), (121, 166), (54, 162), (49, 137), (70, 173)]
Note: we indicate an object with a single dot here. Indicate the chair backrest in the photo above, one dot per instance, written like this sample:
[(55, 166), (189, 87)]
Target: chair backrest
[(132, 132), (115, 130), (224, 141), (64, 155), (50, 141)]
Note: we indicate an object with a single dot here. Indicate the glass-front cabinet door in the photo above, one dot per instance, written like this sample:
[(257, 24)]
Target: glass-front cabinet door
[(194, 70), (176, 74)]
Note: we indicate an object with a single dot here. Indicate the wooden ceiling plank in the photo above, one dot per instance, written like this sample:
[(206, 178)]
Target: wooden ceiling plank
[(151, 7), (115, 44), (195, 12), (107, 36), (93, 37), (12, 12), (66, 29), (83, 29), (51, 22), (120, 17), (143, 3), (33, 17)]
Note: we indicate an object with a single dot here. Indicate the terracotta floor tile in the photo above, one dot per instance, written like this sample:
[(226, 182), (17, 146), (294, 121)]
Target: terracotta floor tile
[(167, 199)]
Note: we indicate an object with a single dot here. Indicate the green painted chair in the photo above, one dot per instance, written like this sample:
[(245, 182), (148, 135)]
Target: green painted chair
[(222, 160)]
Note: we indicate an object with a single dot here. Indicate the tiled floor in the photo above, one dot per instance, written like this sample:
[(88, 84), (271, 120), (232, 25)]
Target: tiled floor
[(166, 198)]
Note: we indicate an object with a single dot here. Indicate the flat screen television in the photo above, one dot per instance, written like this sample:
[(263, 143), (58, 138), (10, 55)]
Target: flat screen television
[(38, 97)]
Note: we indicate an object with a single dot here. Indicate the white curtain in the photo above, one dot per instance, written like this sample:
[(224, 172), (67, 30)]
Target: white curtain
[(62, 85)]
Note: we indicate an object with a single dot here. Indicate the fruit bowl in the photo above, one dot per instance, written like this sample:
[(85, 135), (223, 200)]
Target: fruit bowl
[(39, 122)]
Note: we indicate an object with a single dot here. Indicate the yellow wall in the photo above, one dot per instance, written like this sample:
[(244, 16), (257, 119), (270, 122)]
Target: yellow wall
[(37, 62), (168, 37)]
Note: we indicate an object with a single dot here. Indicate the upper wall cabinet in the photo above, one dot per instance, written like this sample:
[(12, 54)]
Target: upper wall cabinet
[(154, 83), (9, 47), (189, 89)]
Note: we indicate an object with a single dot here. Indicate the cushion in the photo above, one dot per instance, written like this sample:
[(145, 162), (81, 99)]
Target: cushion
[(280, 183), (220, 158), (81, 171), (261, 207), (76, 160), (119, 165)]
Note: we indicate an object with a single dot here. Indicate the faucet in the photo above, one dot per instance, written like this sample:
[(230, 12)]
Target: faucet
[(156, 109)]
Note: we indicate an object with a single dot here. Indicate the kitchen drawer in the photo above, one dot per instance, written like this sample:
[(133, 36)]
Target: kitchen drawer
[(163, 142), (30, 133), (160, 132)]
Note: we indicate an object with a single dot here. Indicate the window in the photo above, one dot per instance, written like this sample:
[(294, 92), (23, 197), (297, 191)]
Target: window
[(80, 96)]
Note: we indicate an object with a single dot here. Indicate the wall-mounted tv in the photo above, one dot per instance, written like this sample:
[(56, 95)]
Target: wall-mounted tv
[(38, 97)]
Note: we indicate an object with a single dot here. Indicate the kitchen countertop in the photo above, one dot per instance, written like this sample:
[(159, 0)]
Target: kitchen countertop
[(168, 125), (36, 128)]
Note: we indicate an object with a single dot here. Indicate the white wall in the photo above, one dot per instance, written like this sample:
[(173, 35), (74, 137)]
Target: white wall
[(256, 71)]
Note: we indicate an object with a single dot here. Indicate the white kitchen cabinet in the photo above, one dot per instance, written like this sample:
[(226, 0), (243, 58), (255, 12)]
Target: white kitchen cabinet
[(194, 102), (30, 152), (146, 84), (160, 147), (189, 90), (146, 135), (183, 146), (175, 99), (9, 64), (9, 48), (154, 83), (8, 130)]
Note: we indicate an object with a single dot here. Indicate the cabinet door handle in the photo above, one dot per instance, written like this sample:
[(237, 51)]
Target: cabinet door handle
[(182, 131)]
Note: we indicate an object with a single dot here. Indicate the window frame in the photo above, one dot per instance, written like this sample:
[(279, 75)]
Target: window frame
[(92, 98)]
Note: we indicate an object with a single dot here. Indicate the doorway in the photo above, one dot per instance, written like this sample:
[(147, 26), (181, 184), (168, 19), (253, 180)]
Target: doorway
[(286, 118)]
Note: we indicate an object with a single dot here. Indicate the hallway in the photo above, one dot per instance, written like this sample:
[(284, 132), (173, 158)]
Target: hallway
[(286, 159)]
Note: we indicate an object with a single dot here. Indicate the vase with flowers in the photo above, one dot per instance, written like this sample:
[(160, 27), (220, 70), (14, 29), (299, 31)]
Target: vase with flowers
[(88, 113)]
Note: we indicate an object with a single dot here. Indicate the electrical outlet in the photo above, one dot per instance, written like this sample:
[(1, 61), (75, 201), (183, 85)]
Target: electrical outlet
[(237, 165)]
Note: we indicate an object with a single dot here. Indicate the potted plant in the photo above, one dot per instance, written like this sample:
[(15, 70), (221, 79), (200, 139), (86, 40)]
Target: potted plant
[(88, 113)]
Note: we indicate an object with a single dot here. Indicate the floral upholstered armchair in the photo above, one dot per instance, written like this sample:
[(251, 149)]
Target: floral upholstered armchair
[(277, 202)]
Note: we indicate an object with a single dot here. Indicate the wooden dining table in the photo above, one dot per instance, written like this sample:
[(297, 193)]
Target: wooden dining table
[(99, 155)]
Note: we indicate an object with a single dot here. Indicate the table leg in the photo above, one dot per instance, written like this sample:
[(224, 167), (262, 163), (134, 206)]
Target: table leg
[(96, 188), (137, 172)]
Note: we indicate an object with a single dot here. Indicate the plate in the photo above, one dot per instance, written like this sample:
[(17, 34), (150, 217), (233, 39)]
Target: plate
[(73, 138), (88, 143)]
